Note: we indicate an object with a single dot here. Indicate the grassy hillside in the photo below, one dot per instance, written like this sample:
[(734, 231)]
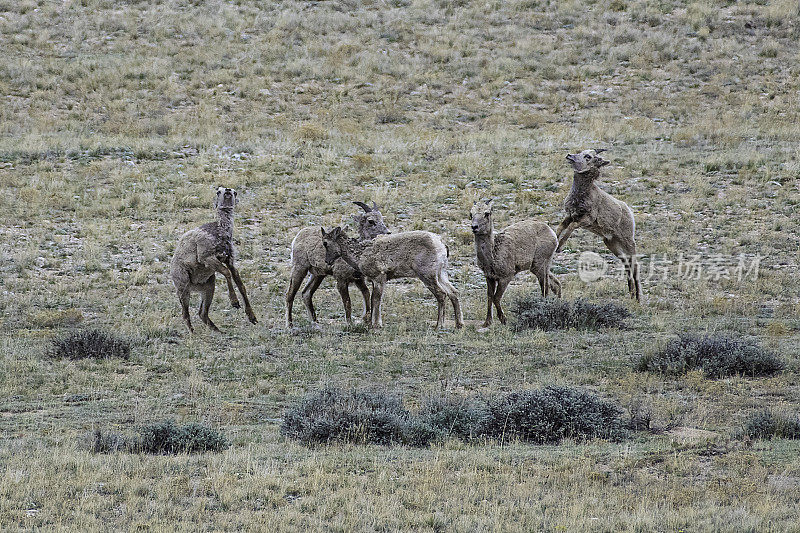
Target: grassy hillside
[(118, 120)]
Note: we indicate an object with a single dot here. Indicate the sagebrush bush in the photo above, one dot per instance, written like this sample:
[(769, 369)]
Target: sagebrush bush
[(551, 414), (539, 416), (163, 437), (333, 415), (454, 416), (90, 344), (535, 312), (716, 355), (767, 425)]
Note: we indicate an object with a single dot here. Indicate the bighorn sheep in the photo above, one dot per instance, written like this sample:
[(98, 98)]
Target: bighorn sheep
[(201, 253), (526, 245), (588, 206), (308, 255), (411, 254)]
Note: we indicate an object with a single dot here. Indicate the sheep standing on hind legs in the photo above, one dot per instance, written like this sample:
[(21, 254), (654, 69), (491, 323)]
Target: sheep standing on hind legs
[(590, 207), (526, 245), (308, 255), (200, 254), (410, 254)]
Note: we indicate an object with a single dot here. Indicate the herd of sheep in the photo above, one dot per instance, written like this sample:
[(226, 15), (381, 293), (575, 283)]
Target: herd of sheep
[(377, 255)]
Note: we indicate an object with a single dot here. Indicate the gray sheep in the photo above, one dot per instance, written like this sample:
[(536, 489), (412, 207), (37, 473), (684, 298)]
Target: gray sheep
[(201, 253), (590, 207), (411, 254), (526, 245), (308, 255)]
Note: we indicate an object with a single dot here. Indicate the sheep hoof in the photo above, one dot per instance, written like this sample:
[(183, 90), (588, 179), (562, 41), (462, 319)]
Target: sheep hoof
[(235, 304), (252, 318)]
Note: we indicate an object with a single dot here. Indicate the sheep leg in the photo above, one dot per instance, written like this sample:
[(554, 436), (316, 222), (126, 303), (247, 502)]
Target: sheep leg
[(502, 285), (555, 284), (214, 262), (491, 285), (342, 287), (206, 297), (452, 293), (628, 258), (251, 316), (183, 298), (365, 294), (294, 285), (637, 284), (377, 295), (181, 282), (308, 294), (564, 230)]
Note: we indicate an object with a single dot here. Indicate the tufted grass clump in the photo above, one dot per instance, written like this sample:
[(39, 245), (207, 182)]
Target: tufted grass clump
[(535, 312), (360, 417), (544, 416), (716, 355), (162, 438), (90, 344), (768, 425)]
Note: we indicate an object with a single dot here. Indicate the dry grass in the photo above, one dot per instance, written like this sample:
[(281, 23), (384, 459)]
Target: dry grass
[(117, 120)]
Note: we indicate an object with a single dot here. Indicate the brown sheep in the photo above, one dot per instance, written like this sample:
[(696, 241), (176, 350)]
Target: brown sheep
[(201, 253), (590, 207), (308, 255), (411, 254), (526, 245)]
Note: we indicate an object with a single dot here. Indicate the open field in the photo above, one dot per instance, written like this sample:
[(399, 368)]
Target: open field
[(119, 119)]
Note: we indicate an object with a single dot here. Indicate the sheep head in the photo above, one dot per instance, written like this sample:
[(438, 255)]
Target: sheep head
[(587, 160), (370, 222), (481, 215), (226, 198)]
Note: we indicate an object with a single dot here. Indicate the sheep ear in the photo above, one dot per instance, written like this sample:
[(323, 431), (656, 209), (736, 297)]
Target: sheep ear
[(600, 150), (323, 233), (602, 162), (375, 206)]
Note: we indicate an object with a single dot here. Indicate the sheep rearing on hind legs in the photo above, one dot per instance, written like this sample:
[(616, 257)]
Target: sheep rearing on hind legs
[(590, 207), (526, 245), (200, 254), (411, 254)]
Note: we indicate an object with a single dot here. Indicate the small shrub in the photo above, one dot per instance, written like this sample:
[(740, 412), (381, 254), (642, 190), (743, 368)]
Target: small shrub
[(93, 344), (168, 437), (539, 416), (333, 415), (534, 312), (164, 437), (551, 414), (716, 355), (458, 417), (767, 425)]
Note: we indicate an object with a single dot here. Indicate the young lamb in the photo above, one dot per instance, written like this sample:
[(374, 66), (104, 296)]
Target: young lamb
[(526, 245), (588, 206), (201, 253), (411, 254), (308, 255)]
